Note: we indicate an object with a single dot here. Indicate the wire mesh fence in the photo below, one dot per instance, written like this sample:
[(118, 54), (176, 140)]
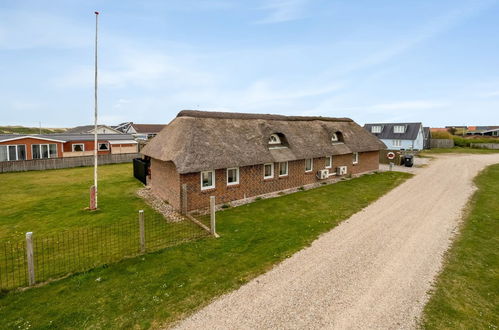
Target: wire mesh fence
[(62, 253)]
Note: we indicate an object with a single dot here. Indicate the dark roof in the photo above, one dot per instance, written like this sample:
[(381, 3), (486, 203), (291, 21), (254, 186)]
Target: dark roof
[(196, 140), (147, 128), (411, 131), (70, 137), (85, 129)]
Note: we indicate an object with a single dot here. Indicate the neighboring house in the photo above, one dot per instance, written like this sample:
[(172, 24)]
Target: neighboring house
[(27, 147), (483, 130), (399, 136), (90, 129), (140, 131), (234, 155)]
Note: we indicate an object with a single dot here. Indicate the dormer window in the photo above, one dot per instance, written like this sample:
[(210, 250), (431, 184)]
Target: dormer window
[(274, 139), (336, 137), (376, 129), (399, 129)]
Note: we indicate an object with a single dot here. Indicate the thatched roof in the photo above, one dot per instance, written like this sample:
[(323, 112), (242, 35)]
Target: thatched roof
[(200, 140)]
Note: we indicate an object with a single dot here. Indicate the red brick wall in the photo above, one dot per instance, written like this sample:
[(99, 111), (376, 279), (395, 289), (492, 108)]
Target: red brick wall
[(30, 141), (165, 182), (251, 181)]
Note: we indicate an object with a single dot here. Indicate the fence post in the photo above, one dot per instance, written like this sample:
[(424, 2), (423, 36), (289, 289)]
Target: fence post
[(391, 166), (29, 258), (184, 198), (212, 216), (142, 232)]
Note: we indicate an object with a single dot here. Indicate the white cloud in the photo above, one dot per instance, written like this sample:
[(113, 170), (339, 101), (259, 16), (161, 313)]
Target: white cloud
[(283, 10)]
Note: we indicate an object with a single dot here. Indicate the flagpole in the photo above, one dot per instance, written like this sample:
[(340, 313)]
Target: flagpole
[(94, 206)]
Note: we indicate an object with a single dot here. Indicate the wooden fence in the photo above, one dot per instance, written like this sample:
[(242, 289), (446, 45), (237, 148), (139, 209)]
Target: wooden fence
[(494, 146), (442, 143), (55, 163)]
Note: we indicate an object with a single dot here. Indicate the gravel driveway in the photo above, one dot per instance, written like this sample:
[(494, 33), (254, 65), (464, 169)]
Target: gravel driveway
[(370, 272)]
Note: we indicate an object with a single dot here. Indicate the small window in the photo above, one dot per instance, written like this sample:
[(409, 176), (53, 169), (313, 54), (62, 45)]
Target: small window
[(283, 168), (232, 176), (399, 129), (21, 152), (397, 143), (268, 171), (3, 154), (274, 139), (334, 137), (355, 158), (329, 162), (207, 180), (375, 129), (78, 147), (309, 165), (103, 146)]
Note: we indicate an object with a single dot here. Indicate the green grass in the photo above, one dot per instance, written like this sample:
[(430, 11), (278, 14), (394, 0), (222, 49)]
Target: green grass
[(29, 130), (69, 238), (458, 150), (466, 294), (50, 201), (165, 286)]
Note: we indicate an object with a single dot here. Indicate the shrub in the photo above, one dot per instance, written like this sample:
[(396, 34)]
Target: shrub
[(225, 206), (441, 135)]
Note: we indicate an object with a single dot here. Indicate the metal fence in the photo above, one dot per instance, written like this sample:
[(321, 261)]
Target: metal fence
[(42, 258), (67, 162)]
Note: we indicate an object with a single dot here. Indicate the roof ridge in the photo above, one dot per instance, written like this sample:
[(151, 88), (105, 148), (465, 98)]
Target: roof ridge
[(248, 116)]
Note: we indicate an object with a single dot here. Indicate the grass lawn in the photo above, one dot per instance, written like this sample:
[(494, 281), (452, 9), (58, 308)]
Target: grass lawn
[(466, 293), (165, 286), (54, 200), (458, 150), (68, 238)]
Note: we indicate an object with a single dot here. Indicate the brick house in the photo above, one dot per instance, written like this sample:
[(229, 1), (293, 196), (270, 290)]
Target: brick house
[(42, 146), (233, 156)]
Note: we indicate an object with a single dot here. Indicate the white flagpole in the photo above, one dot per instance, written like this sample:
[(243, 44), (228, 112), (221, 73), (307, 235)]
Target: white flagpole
[(95, 114)]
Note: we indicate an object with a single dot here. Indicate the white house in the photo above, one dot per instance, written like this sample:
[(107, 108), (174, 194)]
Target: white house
[(399, 136)]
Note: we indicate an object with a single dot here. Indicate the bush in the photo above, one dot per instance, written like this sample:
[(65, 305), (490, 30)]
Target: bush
[(466, 142), (441, 135)]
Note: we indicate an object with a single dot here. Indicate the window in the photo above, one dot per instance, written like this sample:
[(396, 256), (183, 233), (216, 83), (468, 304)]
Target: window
[(309, 165), (397, 143), (268, 170), (12, 152), (103, 146), (399, 129), (207, 180), (329, 162), (334, 137), (41, 151), (78, 147), (355, 158), (232, 176), (375, 129), (283, 168), (274, 139)]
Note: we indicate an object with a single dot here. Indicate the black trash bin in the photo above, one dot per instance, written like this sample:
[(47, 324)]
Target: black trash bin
[(408, 160)]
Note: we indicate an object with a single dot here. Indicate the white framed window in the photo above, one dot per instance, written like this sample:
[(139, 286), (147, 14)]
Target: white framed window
[(274, 139), (268, 171), (397, 143), (42, 151), (78, 147), (355, 159), (207, 180), (103, 146), (12, 152), (309, 165), (232, 176), (334, 137), (283, 168), (399, 129), (376, 129), (329, 161)]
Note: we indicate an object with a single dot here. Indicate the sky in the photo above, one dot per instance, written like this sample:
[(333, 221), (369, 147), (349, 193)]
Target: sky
[(435, 62)]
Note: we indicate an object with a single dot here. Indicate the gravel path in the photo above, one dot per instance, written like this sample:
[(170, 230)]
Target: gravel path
[(370, 272)]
